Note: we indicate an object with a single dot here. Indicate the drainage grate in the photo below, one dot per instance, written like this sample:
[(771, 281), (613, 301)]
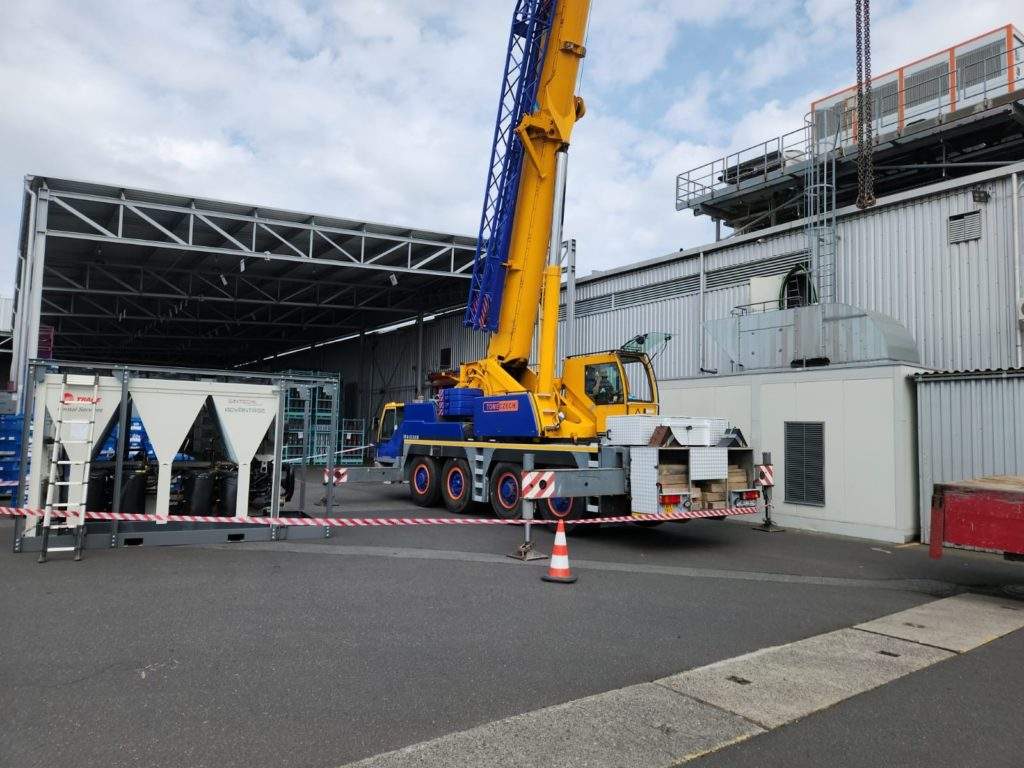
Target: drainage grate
[(889, 653), (738, 680)]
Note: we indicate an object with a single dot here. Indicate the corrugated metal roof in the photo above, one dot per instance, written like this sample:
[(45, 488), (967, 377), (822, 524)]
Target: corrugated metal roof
[(978, 373)]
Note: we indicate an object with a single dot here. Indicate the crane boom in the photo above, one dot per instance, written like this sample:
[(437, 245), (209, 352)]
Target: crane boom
[(531, 22), (542, 134), (516, 273)]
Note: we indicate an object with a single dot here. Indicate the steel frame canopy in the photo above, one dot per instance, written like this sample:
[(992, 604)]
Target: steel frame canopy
[(135, 276)]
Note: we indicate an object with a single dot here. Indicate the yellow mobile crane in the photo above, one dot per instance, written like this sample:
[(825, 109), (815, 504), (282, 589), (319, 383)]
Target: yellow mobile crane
[(471, 443)]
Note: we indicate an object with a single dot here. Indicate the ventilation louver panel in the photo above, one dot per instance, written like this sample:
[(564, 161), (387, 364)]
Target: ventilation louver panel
[(886, 101), (927, 85), (964, 227), (687, 286), (981, 64), (805, 463), (650, 293)]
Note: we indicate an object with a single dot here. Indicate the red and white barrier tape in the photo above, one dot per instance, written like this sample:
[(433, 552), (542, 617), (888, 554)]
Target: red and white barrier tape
[(364, 522)]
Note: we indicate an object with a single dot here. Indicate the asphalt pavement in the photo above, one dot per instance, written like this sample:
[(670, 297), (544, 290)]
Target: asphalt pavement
[(962, 712), (326, 652)]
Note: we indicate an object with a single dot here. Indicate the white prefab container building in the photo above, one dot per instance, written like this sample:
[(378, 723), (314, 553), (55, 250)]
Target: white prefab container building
[(842, 442)]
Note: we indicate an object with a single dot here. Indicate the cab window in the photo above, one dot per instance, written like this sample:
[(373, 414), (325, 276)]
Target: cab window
[(603, 383), (389, 421), (638, 384)]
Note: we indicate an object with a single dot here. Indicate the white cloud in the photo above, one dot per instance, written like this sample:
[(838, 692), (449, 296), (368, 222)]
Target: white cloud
[(693, 114), (384, 110)]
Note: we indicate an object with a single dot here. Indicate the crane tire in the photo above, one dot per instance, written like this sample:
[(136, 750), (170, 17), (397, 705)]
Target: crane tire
[(424, 481), (456, 486), (506, 490)]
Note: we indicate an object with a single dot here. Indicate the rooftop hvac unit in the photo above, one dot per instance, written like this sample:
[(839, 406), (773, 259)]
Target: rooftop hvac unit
[(964, 75)]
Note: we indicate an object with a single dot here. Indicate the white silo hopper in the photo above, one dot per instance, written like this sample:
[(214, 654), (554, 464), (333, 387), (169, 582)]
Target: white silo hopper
[(168, 409), (245, 413), (79, 439)]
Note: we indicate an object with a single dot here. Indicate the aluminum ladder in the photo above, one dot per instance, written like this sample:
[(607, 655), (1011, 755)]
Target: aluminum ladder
[(71, 512)]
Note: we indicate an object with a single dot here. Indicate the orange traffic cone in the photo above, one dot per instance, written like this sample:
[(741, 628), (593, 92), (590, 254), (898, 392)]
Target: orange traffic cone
[(558, 568)]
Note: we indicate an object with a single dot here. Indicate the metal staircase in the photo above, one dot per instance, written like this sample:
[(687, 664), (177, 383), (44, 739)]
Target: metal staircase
[(62, 474)]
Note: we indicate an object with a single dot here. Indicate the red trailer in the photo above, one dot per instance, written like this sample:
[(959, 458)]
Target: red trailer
[(987, 513)]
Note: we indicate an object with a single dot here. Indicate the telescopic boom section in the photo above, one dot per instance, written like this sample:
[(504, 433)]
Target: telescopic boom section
[(543, 133)]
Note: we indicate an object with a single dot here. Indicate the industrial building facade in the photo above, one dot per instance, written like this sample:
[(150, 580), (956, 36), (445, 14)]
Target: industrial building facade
[(941, 260)]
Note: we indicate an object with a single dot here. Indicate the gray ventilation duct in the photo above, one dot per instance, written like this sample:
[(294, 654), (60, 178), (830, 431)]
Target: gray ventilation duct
[(819, 334)]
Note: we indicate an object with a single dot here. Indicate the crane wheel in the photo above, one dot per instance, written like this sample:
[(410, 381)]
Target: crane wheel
[(563, 508), (424, 481), (506, 491), (456, 486)]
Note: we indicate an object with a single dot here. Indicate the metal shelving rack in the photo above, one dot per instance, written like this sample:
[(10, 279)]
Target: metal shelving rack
[(310, 413), (353, 442)]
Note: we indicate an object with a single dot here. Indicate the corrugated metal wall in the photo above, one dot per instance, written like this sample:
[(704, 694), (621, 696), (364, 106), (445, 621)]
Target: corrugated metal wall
[(968, 426), (6, 314), (955, 299)]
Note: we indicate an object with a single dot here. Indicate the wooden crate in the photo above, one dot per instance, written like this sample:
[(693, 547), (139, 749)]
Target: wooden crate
[(738, 477)]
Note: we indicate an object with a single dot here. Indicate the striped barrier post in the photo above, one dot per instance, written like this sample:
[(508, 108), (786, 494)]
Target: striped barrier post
[(766, 479)]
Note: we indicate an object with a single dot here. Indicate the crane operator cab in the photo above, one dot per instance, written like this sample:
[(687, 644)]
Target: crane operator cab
[(614, 383), (387, 437)]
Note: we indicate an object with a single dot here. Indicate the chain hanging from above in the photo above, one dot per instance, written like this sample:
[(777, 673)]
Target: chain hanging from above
[(865, 109)]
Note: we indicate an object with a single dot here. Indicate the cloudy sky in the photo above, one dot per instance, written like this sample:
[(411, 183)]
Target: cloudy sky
[(383, 109)]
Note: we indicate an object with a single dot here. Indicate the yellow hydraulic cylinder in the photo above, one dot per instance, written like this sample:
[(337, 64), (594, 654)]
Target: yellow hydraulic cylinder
[(543, 132)]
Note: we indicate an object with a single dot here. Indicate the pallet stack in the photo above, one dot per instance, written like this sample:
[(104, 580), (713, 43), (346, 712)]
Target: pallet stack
[(738, 480), (674, 479), (714, 494)]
